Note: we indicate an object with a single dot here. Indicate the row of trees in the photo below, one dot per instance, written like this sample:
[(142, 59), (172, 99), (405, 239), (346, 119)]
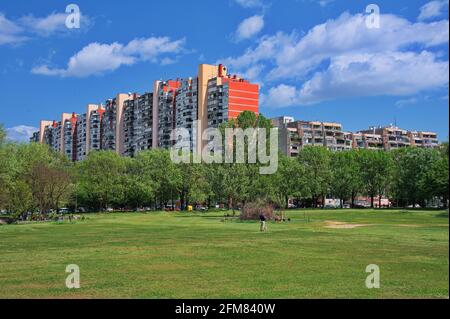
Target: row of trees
[(33, 177)]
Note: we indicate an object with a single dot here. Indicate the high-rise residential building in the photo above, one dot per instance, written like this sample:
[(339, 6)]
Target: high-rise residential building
[(113, 124), (228, 96), (186, 108), (39, 136), (196, 103), (130, 123), (89, 130), (165, 121), (137, 123), (69, 136), (75, 135)]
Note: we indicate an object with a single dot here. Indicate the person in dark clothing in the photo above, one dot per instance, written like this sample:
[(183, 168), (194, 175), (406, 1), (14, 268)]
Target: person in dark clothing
[(262, 221)]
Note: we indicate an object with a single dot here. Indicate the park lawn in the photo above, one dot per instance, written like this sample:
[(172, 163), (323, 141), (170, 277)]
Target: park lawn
[(199, 255)]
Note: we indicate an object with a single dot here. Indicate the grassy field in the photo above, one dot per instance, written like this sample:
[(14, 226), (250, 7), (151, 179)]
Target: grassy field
[(189, 255)]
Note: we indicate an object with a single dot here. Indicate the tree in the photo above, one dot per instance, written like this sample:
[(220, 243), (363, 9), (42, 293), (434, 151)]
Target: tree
[(290, 180), (420, 175), (158, 169), (194, 185), (376, 172), (19, 198), (346, 181), (32, 175), (138, 188), (316, 163), (436, 179), (49, 185), (101, 180)]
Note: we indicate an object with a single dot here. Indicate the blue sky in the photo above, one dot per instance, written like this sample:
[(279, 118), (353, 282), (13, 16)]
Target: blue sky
[(315, 60)]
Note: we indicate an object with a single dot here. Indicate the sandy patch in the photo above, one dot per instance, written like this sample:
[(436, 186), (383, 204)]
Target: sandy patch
[(342, 225)]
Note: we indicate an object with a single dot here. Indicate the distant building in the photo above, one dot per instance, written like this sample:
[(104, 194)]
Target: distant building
[(295, 135), (393, 137)]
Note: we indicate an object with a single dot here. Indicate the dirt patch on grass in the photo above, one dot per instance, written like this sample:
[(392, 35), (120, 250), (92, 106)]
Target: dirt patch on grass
[(407, 225), (342, 225)]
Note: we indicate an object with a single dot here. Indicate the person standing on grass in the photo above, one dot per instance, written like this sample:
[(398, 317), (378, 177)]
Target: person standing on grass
[(262, 221)]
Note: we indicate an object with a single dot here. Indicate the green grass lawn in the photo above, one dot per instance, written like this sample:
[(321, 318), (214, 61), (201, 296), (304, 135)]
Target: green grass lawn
[(195, 255)]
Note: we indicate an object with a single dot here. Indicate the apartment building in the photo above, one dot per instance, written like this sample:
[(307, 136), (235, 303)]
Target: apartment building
[(228, 96), (89, 130), (50, 135), (112, 123), (137, 123), (392, 137), (129, 122), (166, 92), (282, 121), (69, 136), (196, 103), (186, 109), (75, 135), (294, 135), (423, 139), (367, 141)]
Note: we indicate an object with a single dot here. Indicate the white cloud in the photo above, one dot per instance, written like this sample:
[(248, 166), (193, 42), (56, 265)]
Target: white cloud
[(10, 32), (45, 26), (376, 74), (324, 3), (250, 27), (393, 73), (21, 133), (349, 35), (148, 49), (252, 60), (432, 9), (14, 32), (250, 3), (168, 61), (97, 58), (281, 96), (296, 57), (51, 24), (404, 102), (342, 58)]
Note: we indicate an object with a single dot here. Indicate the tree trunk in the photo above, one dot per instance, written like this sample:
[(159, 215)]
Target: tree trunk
[(182, 202), (371, 200), (379, 201), (352, 205), (230, 202)]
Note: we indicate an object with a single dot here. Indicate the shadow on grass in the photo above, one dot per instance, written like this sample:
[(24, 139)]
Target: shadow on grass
[(442, 215)]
